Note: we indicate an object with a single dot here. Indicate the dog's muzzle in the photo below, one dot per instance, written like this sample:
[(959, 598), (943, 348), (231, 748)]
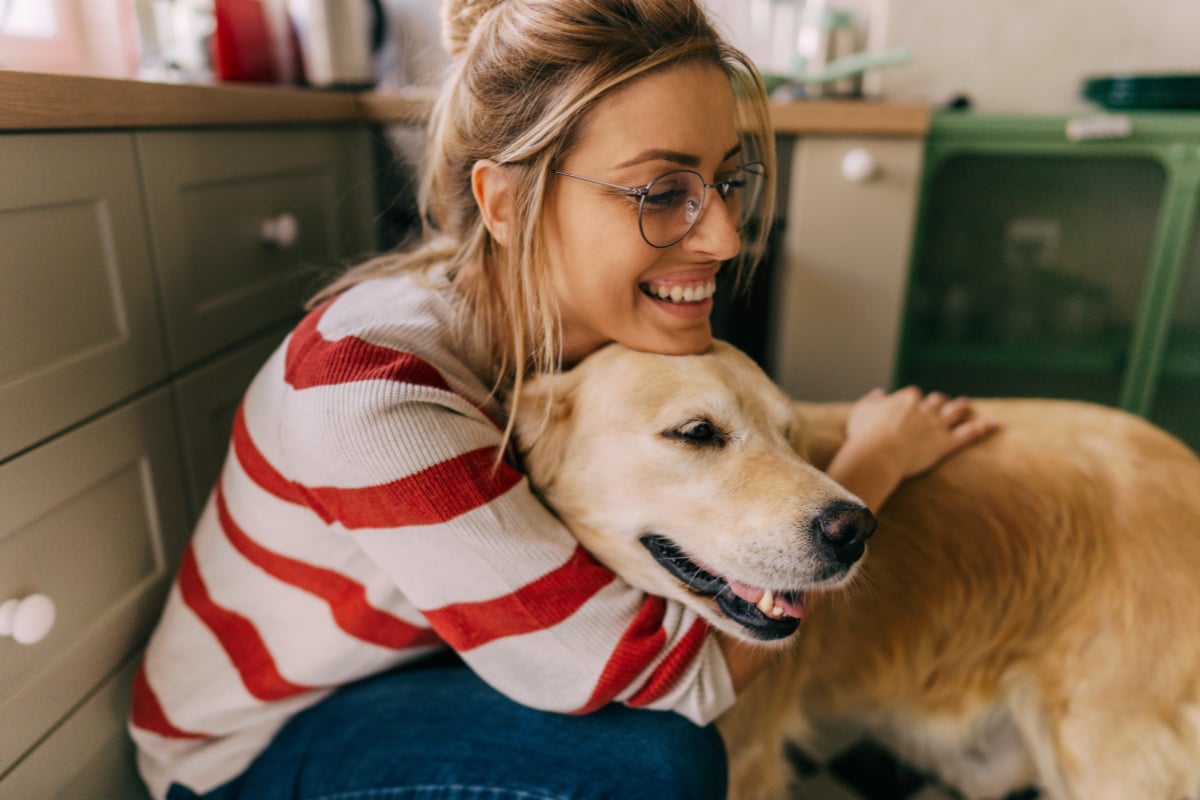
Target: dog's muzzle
[(699, 580)]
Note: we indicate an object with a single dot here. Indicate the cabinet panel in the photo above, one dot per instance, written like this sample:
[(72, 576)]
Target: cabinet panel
[(210, 193), (89, 756), (96, 521), (79, 322), (840, 282), (1033, 272), (1176, 404), (207, 400)]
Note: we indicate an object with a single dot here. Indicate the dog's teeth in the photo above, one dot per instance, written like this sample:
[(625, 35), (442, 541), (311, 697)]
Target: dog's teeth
[(766, 604), (776, 612)]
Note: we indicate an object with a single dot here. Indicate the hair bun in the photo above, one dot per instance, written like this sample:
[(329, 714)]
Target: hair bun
[(459, 19)]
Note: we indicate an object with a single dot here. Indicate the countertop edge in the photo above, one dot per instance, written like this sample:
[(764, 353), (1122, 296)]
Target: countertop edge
[(43, 101)]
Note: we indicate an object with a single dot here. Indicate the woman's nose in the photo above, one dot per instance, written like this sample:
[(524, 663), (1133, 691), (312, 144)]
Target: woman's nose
[(716, 233)]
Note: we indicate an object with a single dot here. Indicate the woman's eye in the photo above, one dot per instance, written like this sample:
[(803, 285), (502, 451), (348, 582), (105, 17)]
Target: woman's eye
[(725, 187), (664, 200)]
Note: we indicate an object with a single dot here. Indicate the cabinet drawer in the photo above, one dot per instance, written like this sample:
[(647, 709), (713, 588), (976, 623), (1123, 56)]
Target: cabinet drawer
[(79, 324), (89, 756), (209, 194), (95, 520), (208, 399)]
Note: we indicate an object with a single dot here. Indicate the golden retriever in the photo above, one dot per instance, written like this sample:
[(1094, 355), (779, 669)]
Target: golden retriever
[(1028, 612)]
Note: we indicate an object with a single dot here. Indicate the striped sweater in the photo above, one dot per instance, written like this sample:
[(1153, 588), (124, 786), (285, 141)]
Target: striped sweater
[(359, 523)]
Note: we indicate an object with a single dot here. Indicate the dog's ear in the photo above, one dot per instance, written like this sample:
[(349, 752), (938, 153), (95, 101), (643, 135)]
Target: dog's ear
[(543, 412)]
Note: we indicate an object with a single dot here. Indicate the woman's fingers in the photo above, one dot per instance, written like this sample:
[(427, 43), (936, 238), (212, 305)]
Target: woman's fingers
[(956, 411), (972, 430)]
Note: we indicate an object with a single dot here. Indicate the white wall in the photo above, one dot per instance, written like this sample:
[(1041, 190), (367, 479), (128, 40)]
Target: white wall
[(1022, 55)]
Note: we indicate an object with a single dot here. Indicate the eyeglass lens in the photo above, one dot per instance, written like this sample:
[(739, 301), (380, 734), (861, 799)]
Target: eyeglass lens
[(673, 202)]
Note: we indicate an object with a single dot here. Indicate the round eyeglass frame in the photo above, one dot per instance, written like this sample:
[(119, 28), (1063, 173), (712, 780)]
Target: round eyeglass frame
[(723, 189)]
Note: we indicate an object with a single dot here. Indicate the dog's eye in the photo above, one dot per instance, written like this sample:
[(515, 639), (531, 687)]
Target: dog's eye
[(698, 432)]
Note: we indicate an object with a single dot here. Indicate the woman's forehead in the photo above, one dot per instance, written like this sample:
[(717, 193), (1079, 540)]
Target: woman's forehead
[(683, 115)]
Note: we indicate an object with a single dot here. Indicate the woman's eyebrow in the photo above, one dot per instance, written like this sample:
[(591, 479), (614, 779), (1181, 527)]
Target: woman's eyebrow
[(683, 159)]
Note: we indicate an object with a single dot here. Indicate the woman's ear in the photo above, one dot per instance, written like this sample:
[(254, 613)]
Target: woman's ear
[(492, 186)]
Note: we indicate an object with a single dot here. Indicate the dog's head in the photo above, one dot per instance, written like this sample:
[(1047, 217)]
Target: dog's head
[(680, 474)]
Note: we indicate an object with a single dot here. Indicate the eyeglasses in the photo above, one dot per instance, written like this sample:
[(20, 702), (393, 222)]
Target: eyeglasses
[(670, 205)]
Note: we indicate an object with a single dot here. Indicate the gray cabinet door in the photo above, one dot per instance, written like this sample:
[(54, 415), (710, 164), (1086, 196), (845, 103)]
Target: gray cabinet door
[(95, 520), (79, 323), (216, 199), (207, 400), (89, 756)]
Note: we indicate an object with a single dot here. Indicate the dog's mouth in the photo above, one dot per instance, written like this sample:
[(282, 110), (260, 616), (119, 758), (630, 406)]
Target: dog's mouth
[(764, 613)]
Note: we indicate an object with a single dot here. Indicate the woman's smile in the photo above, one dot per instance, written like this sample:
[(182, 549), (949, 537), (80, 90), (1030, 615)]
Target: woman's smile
[(685, 296)]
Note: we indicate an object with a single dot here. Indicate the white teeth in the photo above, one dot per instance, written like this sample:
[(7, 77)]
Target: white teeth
[(766, 604), (681, 294)]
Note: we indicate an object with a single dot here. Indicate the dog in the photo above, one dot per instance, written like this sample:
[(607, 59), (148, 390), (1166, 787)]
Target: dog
[(1027, 612)]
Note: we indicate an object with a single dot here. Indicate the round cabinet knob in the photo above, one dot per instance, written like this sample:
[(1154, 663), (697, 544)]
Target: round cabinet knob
[(860, 166), (28, 620), (281, 231)]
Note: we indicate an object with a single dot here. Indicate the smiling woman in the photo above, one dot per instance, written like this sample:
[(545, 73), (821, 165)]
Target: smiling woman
[(592, 167), (368, 517)]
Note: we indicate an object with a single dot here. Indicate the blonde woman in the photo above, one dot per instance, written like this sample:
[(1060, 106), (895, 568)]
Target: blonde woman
[(374, 604)]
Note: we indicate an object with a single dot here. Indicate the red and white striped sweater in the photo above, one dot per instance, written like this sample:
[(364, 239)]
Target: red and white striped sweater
[(358, 524)]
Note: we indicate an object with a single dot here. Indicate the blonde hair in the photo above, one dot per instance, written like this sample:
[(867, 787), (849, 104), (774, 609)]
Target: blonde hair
[(524, 77)]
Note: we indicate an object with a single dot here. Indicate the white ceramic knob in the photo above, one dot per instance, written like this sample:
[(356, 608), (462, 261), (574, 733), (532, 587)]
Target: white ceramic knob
[(281, 231), (860, 166), (27, 620)]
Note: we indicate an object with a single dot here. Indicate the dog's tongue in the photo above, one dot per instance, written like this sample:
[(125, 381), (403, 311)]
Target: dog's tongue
[(755, 595)]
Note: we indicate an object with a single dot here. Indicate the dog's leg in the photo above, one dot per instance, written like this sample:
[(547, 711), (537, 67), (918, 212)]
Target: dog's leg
[(1086, 750), (755, 730)]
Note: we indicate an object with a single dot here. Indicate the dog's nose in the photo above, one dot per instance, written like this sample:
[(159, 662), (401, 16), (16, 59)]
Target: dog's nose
[(845, 528)]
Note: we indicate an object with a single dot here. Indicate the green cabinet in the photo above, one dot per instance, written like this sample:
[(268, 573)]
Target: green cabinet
[(1055, 267)]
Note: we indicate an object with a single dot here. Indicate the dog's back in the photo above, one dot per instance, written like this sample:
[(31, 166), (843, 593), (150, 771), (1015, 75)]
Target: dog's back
[(1027, 612)]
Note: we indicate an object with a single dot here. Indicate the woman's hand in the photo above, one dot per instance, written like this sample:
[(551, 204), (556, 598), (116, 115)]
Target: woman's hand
[(914, 431), (890, 437)]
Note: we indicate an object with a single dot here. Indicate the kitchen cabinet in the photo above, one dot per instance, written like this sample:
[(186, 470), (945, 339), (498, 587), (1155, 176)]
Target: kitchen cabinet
[(150, 274), (230, 233), (1056, 267), (78, 319), (841, 271)]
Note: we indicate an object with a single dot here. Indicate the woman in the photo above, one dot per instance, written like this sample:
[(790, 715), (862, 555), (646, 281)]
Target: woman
[(592, 165)]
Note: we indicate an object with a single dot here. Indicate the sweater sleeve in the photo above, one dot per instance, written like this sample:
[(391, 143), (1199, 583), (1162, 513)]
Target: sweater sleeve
[(385, 449)]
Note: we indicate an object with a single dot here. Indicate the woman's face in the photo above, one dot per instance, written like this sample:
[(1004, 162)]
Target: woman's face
[(610, 283)]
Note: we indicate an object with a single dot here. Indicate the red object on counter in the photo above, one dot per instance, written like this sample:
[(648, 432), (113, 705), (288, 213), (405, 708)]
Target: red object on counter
[(242, 45)]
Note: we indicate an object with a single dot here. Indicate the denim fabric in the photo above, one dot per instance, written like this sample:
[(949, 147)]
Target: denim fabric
[(440, 733)]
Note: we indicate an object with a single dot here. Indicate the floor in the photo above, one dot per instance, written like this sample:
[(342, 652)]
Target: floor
[(861, 769)]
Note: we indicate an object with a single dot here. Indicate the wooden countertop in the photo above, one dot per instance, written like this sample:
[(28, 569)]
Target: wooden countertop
[(35, 101)]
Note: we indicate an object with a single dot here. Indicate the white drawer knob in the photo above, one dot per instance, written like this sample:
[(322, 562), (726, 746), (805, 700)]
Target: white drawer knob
[(281, 230), (27, 620), (860, 166)]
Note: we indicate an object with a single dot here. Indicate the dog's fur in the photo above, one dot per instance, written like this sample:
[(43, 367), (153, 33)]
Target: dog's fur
[(1028, 612)]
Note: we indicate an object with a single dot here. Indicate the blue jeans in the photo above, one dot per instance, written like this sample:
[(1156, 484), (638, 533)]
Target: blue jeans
[(440, 733)]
